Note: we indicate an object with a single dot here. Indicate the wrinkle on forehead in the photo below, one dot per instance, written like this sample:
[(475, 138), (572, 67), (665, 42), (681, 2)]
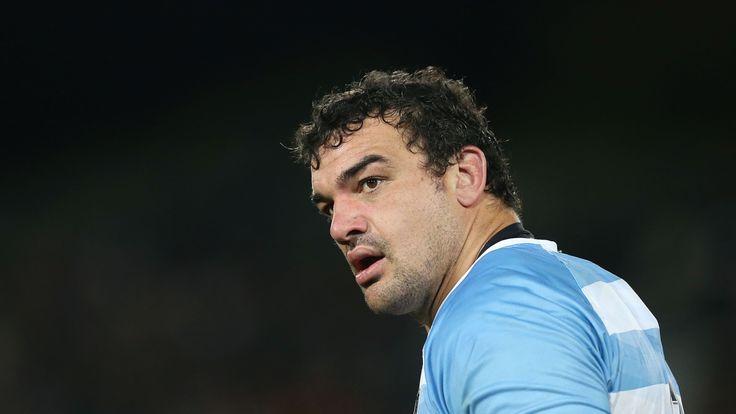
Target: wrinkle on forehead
[(375, 137), (338, 154), (341, 136)]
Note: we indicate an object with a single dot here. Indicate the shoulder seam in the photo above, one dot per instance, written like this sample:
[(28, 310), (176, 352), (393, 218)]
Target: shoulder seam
[(590, 305)]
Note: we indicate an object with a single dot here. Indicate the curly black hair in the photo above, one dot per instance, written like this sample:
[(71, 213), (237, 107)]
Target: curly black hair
[(436, 114)]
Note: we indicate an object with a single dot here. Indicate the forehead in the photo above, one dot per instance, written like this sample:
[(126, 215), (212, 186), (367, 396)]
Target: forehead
[(374, 137)]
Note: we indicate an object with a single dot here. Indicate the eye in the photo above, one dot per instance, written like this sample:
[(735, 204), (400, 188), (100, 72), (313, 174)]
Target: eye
[(370, 183), (327, 211)]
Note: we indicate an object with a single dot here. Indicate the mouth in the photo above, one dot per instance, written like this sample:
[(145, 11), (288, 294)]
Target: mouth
[(367, 264)]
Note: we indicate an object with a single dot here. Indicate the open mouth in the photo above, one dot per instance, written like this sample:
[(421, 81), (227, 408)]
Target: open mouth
[(366, 262)]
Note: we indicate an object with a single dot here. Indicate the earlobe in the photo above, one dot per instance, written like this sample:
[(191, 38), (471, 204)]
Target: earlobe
[(471, 180)]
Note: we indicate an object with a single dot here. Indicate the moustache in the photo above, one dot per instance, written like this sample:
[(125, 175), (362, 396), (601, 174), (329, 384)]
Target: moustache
[(370, 240)]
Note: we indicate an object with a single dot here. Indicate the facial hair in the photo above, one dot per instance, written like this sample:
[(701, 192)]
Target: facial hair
[(410, 287)]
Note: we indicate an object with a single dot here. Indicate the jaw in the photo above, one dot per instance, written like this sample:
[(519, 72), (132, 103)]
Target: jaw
[(398, 294)]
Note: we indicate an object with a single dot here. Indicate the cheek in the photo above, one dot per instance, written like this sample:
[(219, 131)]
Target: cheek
[(403, 214), (405, 217)]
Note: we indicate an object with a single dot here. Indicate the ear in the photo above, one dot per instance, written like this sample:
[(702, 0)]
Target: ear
[(471, 179)]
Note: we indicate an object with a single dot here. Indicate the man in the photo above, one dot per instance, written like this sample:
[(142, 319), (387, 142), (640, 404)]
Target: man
[(423, 207)]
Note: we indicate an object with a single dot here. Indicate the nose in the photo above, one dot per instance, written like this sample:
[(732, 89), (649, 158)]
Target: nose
[(348, 221)]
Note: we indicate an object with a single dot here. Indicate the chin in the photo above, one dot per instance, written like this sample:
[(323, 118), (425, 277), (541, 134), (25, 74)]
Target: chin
[(382, 300)]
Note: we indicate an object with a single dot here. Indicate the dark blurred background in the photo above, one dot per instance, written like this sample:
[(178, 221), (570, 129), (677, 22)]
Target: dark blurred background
[(159, 253)]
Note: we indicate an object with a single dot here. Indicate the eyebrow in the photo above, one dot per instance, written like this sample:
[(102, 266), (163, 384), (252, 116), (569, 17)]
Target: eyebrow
[(351, 172)]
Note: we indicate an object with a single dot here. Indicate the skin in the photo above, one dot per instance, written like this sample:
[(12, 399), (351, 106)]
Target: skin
[(426, 230)]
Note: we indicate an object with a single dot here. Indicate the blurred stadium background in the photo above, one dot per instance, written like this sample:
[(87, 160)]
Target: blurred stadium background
[(159, 252)]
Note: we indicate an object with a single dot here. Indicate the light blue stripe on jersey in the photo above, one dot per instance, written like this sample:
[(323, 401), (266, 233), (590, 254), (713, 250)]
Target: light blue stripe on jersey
[(519, 333), (639, 358), (638, 361), (584, 271)]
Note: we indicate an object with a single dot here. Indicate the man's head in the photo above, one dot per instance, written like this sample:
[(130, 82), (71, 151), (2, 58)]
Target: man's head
[(437, 115), (402, 163)]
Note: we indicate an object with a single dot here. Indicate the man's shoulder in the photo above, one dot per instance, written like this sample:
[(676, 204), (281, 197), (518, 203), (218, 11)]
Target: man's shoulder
[(517, 284), (534, 264), (529, 271), (518, 318)]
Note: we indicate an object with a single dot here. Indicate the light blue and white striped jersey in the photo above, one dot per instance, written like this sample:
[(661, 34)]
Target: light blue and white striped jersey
[(530, 330)]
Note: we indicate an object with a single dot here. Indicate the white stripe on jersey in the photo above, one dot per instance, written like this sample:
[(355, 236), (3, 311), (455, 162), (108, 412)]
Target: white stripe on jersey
[(651, 399), (609, 299)]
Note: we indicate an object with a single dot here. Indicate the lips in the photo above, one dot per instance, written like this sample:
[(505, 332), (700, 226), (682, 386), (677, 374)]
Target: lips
[(367, 263)]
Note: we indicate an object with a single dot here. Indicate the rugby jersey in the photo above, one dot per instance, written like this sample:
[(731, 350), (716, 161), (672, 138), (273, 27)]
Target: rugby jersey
[(528, 329)]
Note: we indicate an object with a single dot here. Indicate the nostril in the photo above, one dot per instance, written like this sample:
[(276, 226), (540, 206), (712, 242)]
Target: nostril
[(347, 222), (354, 232)]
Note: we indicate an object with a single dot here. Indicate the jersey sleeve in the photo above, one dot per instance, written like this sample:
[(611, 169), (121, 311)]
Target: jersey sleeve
[(528, 349)]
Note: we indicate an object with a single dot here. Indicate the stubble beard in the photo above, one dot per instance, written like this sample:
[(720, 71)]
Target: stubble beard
[(411, 287), (402, 293)]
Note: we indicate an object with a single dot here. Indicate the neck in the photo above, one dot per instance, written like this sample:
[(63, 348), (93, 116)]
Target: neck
[(482, 227)]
